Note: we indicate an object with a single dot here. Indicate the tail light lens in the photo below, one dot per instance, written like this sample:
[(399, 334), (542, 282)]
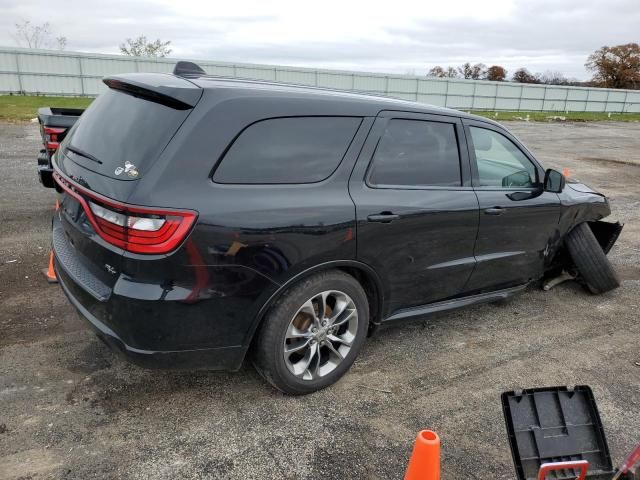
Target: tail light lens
[(132, 228), (53, 137)]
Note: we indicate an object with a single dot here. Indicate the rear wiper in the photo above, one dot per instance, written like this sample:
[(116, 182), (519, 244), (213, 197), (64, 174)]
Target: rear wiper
[(84, 154)]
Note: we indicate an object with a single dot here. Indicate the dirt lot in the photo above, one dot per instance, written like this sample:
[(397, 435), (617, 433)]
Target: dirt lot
[(69, 409)]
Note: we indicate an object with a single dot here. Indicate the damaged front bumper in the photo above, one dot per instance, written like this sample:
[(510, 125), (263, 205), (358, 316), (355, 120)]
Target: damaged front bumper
[(606, 233)]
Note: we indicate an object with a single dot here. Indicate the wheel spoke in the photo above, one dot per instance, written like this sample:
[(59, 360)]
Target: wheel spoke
[(344, 341), (339, 308), (346, 316), (307, 307), (302, 366), (322, 307), (297, 348), (316, 369), (335, 352), (293, 332)]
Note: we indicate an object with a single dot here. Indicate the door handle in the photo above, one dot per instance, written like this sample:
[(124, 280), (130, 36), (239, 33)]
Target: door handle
[(384, 217), (495, 211)]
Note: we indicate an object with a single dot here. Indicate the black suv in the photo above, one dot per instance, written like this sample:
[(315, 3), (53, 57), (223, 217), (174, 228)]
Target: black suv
[(205, 218)]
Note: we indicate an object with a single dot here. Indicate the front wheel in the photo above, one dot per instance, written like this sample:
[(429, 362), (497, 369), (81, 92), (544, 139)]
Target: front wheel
[(591, 261), (313, 334)]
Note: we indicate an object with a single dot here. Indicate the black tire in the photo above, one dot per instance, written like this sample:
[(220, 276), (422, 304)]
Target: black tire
[(591, 261), (268, 348)]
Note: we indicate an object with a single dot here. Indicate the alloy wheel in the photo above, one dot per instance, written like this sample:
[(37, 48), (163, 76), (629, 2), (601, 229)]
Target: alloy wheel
[(320, 335)]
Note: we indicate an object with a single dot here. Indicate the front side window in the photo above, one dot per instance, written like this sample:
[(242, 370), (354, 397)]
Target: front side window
[(500, 162), (287, 150), (417, 153)]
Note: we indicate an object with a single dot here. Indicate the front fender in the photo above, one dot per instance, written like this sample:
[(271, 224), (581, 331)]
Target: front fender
[(580, 203)]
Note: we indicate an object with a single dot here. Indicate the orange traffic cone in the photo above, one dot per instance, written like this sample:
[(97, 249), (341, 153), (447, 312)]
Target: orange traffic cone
[(50, 272), (565, 172), (424, 463)]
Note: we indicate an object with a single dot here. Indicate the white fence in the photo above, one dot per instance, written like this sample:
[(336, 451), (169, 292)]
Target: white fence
[(51, 72)]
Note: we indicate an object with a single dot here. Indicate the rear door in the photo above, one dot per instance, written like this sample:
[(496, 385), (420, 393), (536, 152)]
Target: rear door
[(517, 218), (417, 214)]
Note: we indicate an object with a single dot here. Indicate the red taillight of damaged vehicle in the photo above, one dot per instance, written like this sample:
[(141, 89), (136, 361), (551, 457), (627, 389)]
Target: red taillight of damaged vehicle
[(52, 137), (135, 229)]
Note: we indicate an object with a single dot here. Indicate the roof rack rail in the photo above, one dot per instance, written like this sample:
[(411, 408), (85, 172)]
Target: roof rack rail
[(191, 69), (183, 68)]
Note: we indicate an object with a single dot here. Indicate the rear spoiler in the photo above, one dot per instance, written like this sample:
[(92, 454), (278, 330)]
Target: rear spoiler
[(169, 90), (58, 117)]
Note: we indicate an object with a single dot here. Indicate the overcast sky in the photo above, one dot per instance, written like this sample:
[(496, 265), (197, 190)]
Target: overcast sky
[(395, 36)]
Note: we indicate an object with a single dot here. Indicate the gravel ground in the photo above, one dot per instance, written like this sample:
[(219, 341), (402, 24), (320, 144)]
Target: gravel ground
[(69, 409)]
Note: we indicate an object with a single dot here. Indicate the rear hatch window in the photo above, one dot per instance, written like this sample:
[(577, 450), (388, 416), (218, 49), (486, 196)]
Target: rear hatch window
[(121, 135)]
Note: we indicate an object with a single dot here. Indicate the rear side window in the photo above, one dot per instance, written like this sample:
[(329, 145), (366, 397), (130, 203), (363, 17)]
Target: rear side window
[(287, 150), (417, 153)]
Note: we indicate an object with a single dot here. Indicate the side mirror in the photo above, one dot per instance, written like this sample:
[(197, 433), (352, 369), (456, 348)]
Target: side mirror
[(554, 181)]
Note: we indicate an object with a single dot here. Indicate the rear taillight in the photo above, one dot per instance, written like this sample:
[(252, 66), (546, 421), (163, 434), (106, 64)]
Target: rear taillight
[(53, 137), (132, 228)]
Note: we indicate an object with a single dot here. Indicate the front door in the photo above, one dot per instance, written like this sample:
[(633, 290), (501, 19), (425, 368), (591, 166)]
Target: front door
[(517, 218), (417, 215)]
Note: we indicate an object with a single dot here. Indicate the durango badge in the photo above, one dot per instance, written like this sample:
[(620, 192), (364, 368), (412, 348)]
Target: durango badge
[(129, 168)]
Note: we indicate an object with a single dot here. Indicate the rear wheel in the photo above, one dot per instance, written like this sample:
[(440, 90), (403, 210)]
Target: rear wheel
[(591, 261), (313, 334)]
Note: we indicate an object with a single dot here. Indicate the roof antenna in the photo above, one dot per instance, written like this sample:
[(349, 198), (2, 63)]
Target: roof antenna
[(187, 68)]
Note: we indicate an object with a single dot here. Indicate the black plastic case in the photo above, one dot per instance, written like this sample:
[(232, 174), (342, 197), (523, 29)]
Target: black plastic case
[(555, 424)]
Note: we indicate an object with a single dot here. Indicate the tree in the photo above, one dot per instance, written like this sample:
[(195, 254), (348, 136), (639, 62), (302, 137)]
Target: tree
[(474, 72), (522, 75), (139, 47), (439, 72), (616, 67), (496, 73), (451, 72), (553, 78), (61, 42), (36, 36)]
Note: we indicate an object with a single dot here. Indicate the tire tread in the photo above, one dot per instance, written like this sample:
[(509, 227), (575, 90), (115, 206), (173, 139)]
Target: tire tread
[(591, 261)]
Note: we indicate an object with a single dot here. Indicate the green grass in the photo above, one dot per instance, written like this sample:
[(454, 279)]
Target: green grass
[(16, 108), (559, 116)]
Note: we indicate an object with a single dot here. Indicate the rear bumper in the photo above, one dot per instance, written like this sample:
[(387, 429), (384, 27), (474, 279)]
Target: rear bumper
[(225, 358), (154, 331)]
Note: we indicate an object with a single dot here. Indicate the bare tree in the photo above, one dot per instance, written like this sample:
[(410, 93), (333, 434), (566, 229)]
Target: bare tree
[(32, 36), (452, 72), (439, 72), (140, 47), (553, 78), (473, 72), (616, 67), (61, 42), (496, 73)]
